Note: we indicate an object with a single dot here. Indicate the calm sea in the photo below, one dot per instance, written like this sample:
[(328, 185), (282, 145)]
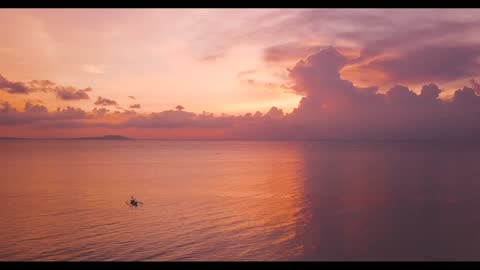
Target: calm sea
[(236, 201)]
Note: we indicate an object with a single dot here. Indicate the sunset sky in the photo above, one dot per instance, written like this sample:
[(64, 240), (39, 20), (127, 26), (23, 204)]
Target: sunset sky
[(240, 73)]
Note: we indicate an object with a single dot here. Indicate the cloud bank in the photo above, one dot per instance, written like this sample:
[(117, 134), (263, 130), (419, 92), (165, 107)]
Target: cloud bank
[(332, 108), (61, 92), (13, 87)]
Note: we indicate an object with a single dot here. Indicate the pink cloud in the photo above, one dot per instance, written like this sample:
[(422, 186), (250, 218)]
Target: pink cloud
[(37, 115), (70, 93), (246, 72), (13, 87), (105, 102), (62, 92), (332, 108), (286, 52), (435, 63)]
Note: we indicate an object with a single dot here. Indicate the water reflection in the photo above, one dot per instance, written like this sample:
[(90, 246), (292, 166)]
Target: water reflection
[(239, 201), (203, 201), (392, 202)]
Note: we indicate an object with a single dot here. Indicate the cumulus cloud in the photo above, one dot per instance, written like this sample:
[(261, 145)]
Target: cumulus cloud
[(70, 93), (178, 119), (332, 108), (132, 97), (436, 63), (135, 106), (13, 87), (105, 102), (475, 86), (38, 116), (410, 46), (35, 114), (46, 86), (42, 86), (100, 112)]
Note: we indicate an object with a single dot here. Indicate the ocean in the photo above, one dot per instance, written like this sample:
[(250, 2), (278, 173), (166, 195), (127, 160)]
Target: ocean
[(238, 201)]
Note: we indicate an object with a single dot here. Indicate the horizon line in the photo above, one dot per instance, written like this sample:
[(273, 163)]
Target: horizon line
[(125, 138)]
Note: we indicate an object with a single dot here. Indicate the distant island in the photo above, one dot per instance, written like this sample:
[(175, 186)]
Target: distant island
[(105, 137), (12, 138)]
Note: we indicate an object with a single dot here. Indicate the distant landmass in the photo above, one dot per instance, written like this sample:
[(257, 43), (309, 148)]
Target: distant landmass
[(12, 138), (106, 137)]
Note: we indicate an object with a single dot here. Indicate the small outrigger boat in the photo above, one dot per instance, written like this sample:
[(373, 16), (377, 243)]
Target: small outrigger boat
[(133, 202)]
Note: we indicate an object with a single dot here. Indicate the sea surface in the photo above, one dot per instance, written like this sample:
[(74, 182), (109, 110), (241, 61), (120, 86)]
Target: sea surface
[(238, 201)]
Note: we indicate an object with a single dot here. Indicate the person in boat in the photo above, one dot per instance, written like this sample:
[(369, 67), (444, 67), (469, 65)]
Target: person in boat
[(134, 202)]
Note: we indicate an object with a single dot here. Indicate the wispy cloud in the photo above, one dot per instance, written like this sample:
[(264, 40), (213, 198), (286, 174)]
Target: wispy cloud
[(213, 57), (246, 72), (93, 69)]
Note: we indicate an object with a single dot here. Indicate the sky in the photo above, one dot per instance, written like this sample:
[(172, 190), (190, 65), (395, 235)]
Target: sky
[(395, 74)]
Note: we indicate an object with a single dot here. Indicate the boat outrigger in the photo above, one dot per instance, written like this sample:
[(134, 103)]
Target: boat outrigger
[(134, 202)]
